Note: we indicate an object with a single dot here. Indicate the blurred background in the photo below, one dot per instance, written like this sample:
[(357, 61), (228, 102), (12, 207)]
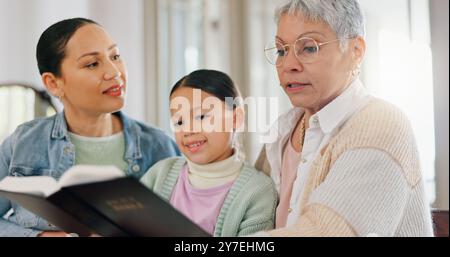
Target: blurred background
[(163, 40)]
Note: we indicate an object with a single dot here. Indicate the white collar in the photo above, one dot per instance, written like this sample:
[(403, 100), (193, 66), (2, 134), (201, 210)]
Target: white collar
[(220, 169), (330, 118), (335, 113)]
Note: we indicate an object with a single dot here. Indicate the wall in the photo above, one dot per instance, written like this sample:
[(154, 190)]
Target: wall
[(23, 21), (440, 43), (124, 20)]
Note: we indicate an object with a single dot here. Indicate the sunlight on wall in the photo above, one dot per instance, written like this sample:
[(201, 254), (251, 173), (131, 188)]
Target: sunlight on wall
[(406, 80)]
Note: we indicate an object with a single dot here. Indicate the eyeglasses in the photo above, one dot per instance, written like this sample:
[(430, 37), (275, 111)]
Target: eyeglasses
[(306, 50)]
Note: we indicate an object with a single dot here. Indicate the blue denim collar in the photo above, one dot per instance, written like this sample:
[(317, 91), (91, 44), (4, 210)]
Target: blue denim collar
[(132, 141), (130, 130), (59, 131)]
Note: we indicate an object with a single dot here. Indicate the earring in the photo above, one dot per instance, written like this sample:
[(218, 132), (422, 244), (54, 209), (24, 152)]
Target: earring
[(356, 71)]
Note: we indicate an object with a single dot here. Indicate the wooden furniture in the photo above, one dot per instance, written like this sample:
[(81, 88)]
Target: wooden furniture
[(440, 222)]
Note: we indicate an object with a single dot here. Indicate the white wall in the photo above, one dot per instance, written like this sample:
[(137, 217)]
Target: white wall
[(23, 21), (124, 20), (398, 68), (440, 44)]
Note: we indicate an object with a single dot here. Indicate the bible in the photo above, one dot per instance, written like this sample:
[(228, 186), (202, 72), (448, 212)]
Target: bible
[(99, 200)]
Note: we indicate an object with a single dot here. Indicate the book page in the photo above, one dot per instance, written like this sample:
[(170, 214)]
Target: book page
[(83, 174), (46, 186), (36, 185)]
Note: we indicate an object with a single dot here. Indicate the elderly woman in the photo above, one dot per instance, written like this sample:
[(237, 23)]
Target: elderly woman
[(81, 65), (344, 163)]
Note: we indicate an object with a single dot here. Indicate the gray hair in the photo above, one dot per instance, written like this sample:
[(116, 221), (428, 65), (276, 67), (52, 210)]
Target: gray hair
[(345, 17)]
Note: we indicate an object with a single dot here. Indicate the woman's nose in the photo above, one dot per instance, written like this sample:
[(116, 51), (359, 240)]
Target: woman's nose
[(291, 62), (112, 71)]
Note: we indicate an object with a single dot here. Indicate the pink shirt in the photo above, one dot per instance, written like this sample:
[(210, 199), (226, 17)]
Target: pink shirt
[(202, 206), (289, 168)]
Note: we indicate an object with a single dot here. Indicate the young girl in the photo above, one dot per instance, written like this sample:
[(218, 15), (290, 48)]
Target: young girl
[(211, 185)]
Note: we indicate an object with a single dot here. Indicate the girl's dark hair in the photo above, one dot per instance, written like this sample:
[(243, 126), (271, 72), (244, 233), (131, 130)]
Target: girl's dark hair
[(51, 48), (213, 82)]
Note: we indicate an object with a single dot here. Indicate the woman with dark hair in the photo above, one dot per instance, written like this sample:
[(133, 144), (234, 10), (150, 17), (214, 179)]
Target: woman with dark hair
[(81, 65)]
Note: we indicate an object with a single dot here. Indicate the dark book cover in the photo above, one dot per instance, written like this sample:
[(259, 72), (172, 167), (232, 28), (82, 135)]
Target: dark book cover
[(119, 207)]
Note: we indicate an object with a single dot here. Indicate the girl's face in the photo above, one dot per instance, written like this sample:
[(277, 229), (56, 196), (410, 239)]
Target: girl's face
[(94, 77), (203, 125)]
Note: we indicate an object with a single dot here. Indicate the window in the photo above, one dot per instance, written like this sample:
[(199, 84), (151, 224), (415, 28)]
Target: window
[(192, 34), (20, 104), (263, 77), (398, 68)]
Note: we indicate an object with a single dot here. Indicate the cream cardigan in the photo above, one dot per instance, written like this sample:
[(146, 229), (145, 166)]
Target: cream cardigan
[(365, 182)]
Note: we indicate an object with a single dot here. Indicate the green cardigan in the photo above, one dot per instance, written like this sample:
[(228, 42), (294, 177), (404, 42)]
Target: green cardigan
[(248, 208)]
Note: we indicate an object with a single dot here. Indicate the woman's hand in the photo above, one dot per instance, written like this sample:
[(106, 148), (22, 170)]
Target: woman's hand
[(53, 234)]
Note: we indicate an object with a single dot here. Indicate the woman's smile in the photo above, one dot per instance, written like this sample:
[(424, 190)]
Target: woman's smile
[(115, 91)]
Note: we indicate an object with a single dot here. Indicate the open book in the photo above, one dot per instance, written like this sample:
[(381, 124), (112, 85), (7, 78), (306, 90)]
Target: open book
[(98, 200)]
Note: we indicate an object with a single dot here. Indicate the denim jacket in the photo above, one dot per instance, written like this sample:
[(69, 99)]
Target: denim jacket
[(42, 147)]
